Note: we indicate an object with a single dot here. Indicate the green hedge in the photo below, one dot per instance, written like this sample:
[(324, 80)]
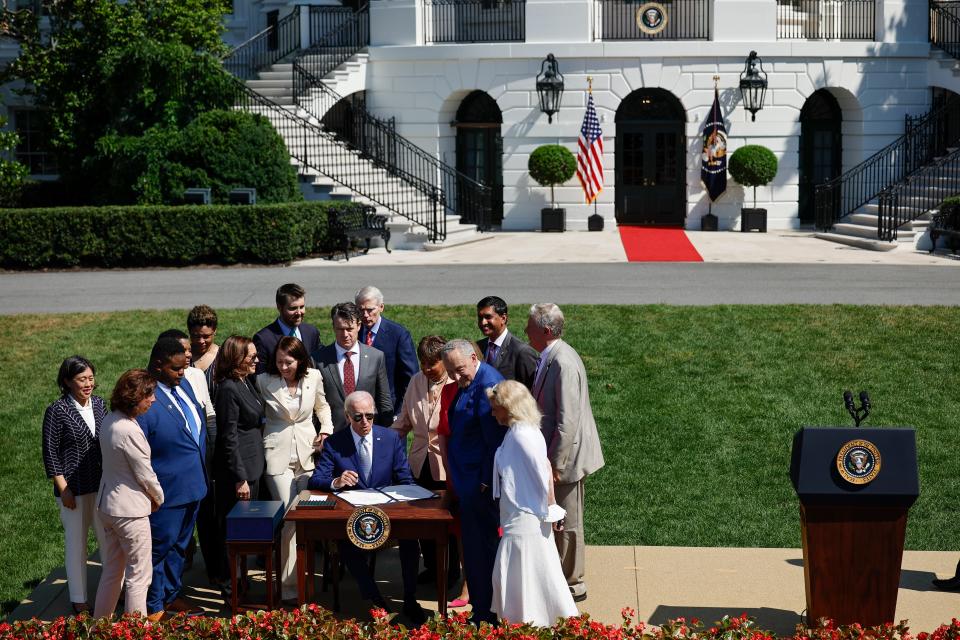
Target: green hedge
[(138, 236)]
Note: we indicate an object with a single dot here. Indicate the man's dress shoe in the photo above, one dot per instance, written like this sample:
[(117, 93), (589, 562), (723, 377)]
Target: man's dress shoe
[(415, 613)]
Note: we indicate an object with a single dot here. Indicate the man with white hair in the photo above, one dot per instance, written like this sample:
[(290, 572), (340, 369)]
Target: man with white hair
[(573, 444), (368, 456), (390, 337), (474, 438)]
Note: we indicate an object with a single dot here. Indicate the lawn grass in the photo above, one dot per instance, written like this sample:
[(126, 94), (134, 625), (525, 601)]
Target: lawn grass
[(696, 407)]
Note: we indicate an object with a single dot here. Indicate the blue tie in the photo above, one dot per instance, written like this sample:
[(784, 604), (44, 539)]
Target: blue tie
[(191, 421)]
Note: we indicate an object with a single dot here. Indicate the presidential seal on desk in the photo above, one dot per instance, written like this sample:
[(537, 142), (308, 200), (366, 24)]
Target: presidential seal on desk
[(858, 462), (368, 528)]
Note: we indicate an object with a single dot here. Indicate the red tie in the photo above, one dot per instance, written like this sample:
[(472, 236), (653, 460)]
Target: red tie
[(369, 338), (349, 377)]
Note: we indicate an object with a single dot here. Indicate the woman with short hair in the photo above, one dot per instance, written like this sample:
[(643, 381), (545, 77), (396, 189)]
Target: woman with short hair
[(528, 581), (129, 493), (71, 458)]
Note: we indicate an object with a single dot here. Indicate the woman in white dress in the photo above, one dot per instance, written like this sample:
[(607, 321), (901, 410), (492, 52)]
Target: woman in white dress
[(528, 582)]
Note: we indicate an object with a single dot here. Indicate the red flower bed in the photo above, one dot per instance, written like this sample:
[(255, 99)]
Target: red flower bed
[(314, 622)]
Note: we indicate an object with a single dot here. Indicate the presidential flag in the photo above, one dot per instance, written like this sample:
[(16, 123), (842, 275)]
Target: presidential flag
[(590, 153), (713, 162)]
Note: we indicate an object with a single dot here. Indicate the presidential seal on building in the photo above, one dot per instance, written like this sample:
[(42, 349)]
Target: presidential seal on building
[(652, 18)]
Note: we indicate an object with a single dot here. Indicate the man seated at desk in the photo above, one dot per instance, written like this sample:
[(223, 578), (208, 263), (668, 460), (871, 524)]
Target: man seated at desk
[(368, 456)]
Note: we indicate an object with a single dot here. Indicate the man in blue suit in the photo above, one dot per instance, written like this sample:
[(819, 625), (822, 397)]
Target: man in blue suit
[(291, 308), (175, 429), (362, 457), (474, 438), (390, 337)]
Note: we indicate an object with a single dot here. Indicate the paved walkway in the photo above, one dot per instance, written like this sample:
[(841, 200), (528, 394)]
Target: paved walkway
[(659, 582)]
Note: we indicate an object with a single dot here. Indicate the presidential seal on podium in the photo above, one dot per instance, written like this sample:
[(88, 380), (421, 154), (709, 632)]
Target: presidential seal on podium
[(368, 528), (858, 462)]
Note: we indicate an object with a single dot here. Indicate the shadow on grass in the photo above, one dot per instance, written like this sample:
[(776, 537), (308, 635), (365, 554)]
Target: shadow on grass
[(780, 621)]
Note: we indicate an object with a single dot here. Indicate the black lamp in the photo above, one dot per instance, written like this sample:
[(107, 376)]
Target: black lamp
[(753, 85), (550, 86)]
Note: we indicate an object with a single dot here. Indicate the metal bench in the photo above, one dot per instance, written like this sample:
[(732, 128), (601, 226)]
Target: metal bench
[(946, 223), (350, 225)]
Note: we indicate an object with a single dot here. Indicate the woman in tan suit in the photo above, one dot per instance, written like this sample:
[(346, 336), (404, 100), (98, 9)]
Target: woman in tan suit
[(292, 395), (129, 493)]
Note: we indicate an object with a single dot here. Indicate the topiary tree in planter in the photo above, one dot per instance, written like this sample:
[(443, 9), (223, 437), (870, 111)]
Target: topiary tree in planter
[(753, 165), (550, 165)]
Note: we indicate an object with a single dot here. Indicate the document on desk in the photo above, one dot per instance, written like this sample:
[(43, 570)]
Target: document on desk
[(364, 497), (407, 492)]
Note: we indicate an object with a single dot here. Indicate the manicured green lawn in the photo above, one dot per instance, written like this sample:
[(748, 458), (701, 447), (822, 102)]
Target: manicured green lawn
[(696, 407)]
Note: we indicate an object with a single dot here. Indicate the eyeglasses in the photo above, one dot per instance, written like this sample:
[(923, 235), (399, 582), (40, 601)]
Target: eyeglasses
[(357, 417)]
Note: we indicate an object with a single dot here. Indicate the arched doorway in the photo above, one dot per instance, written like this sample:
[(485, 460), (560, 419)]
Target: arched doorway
[(480, 149), (821, 148), (650, 169)]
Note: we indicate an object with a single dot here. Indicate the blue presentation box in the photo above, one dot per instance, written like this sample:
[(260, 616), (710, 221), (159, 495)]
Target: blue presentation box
[(254, 520)]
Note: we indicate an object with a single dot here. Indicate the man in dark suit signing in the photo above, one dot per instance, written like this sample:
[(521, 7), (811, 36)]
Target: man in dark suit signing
[(362, 457), (392, 338), (291, 309), (348, 365), (513, 358)]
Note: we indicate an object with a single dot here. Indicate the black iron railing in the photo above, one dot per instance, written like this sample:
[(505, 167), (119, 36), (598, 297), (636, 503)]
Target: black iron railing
[(826, 19), (926, 138), (945, 26), (422, 182), (474, 21), (919, 193), (685, 20), (326, 19), (267, 47)]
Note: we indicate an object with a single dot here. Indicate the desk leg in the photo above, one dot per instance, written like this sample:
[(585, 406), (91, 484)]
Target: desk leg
[(301, 565), (442, 570), (335, 572), (311, 568), (234, 583)]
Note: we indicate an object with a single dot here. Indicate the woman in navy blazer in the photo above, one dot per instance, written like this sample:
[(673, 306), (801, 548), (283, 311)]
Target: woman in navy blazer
[(71, 457)]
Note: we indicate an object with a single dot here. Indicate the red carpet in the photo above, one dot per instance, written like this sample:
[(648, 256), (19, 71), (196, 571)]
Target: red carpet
[(654, 244)]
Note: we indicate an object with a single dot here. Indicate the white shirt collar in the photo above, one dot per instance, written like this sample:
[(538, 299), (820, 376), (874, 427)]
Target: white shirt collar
[(376, 328), (501, 338), (357, 438), (341, 350)]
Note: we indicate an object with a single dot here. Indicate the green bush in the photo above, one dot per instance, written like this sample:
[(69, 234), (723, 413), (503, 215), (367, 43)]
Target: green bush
[(137, 236), (753, 165), (550, 165)]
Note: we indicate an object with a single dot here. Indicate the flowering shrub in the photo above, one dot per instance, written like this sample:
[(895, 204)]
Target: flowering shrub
[(311, 622)]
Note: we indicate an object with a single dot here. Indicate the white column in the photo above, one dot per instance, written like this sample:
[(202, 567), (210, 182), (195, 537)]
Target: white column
[(902, 21), (747, 21), (395, 22), (559, 20), (304, 26)]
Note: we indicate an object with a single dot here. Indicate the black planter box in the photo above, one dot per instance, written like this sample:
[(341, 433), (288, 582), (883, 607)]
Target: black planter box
[(753, 220), (595, 222), (553, 219)]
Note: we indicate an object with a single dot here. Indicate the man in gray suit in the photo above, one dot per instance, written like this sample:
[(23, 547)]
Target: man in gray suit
[(513, 358), (573, 445), (348, 365)]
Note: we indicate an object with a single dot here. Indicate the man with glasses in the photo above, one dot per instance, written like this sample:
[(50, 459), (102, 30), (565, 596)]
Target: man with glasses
[(291, 308), (368, 456), (348, 365), (392, 338)]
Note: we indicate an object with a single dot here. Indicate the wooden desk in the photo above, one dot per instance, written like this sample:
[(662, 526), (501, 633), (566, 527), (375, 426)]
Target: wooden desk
[(408, 521)]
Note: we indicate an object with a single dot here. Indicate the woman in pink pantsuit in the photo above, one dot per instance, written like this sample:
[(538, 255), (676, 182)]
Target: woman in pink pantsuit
[(129, 493)]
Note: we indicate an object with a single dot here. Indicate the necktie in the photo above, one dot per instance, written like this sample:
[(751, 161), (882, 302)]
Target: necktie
[(491, 353), (366, 460), (293, 332), (370, 338), (349, 375), (191, 421)]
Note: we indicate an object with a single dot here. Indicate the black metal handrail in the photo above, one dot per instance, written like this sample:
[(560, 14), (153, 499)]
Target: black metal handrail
[(925, 139), (945, 26), (685, 20), (324, 19), (268, 47), (376, 139), (919, 193), (826, 19), (446, 21)]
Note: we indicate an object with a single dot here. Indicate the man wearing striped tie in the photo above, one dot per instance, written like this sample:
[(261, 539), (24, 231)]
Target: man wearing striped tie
[(513, 358), (367, 456)]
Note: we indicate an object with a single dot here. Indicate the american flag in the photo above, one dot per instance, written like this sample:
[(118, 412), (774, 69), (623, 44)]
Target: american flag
[(590, 154)]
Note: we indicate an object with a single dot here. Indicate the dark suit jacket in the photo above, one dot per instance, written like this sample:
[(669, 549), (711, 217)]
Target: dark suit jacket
[(267, 338), (395, 342), (372, 379), (239, 453), (69, 449), (475, 435), (516, 360), (339, 454), (178, 461)]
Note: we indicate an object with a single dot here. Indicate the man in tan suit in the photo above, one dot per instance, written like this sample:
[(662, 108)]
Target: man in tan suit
[(573, 445)]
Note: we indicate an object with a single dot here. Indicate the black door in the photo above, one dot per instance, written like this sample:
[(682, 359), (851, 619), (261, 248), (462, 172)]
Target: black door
[(480, 153), (650, 168), (821, 148)]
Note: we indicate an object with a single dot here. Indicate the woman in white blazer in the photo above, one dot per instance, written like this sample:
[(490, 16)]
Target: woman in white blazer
[(292, 396), (129, 493)]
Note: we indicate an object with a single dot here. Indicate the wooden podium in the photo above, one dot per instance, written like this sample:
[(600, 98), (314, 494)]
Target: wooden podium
[(853, 530)]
